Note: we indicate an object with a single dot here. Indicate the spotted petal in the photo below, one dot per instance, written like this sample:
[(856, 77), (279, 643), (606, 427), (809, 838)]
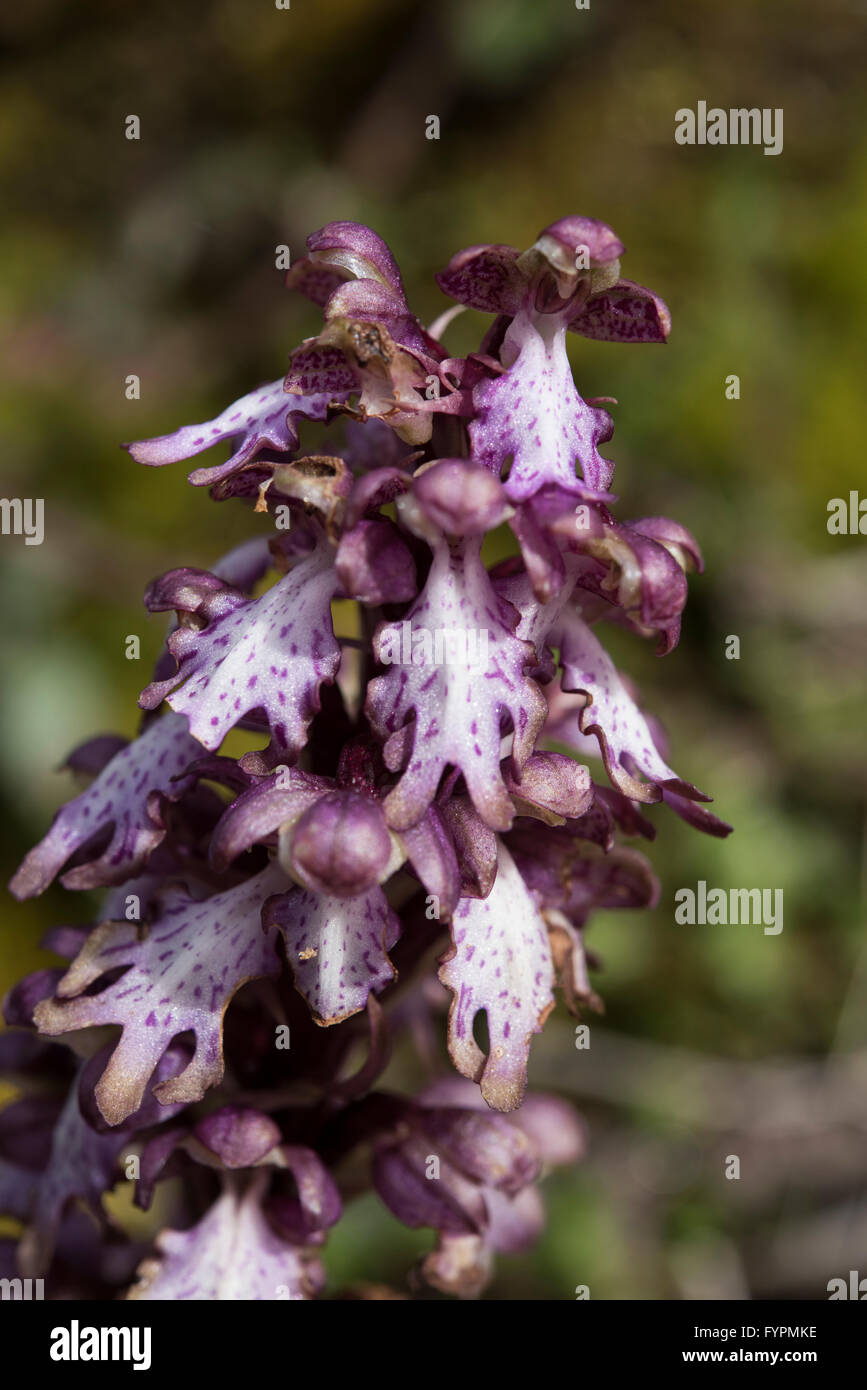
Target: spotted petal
[(127, 796), (463, 669), (625, 740), (624, 313), (182, 971), (500, 962), (266, 418), (232, 1255), (534, 414), (356, 250), (337, 947), (486, 278), (270, 653)]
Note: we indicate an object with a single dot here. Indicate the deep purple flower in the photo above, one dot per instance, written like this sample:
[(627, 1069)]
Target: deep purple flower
[(471, 1177)]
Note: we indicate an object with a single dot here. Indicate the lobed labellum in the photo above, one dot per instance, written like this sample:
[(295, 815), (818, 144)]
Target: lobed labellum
[(233, 1253), (613, 716), (126, 798), (81, 1165), (266, 418), (534, 414), (337, 947), (457, 704), (501, 963), (181, 973), (270, 653)]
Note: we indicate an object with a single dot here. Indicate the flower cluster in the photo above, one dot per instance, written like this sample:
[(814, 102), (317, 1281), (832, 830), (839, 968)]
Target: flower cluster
[(440, 755)]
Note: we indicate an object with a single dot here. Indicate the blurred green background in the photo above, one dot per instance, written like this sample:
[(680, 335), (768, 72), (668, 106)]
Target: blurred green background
[(156, 257)]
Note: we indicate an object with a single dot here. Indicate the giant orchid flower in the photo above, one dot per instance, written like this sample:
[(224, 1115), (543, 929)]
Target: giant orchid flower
[(361, 747)]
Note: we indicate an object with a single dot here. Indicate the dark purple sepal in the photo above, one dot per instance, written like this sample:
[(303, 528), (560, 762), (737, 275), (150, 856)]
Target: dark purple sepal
[(340, 845), (256, 815), (460, 497), (303, 1216), (374, 565), (238, 1136)]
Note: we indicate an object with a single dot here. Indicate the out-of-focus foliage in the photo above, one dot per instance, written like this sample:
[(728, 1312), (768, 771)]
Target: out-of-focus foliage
[(156, 257)]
